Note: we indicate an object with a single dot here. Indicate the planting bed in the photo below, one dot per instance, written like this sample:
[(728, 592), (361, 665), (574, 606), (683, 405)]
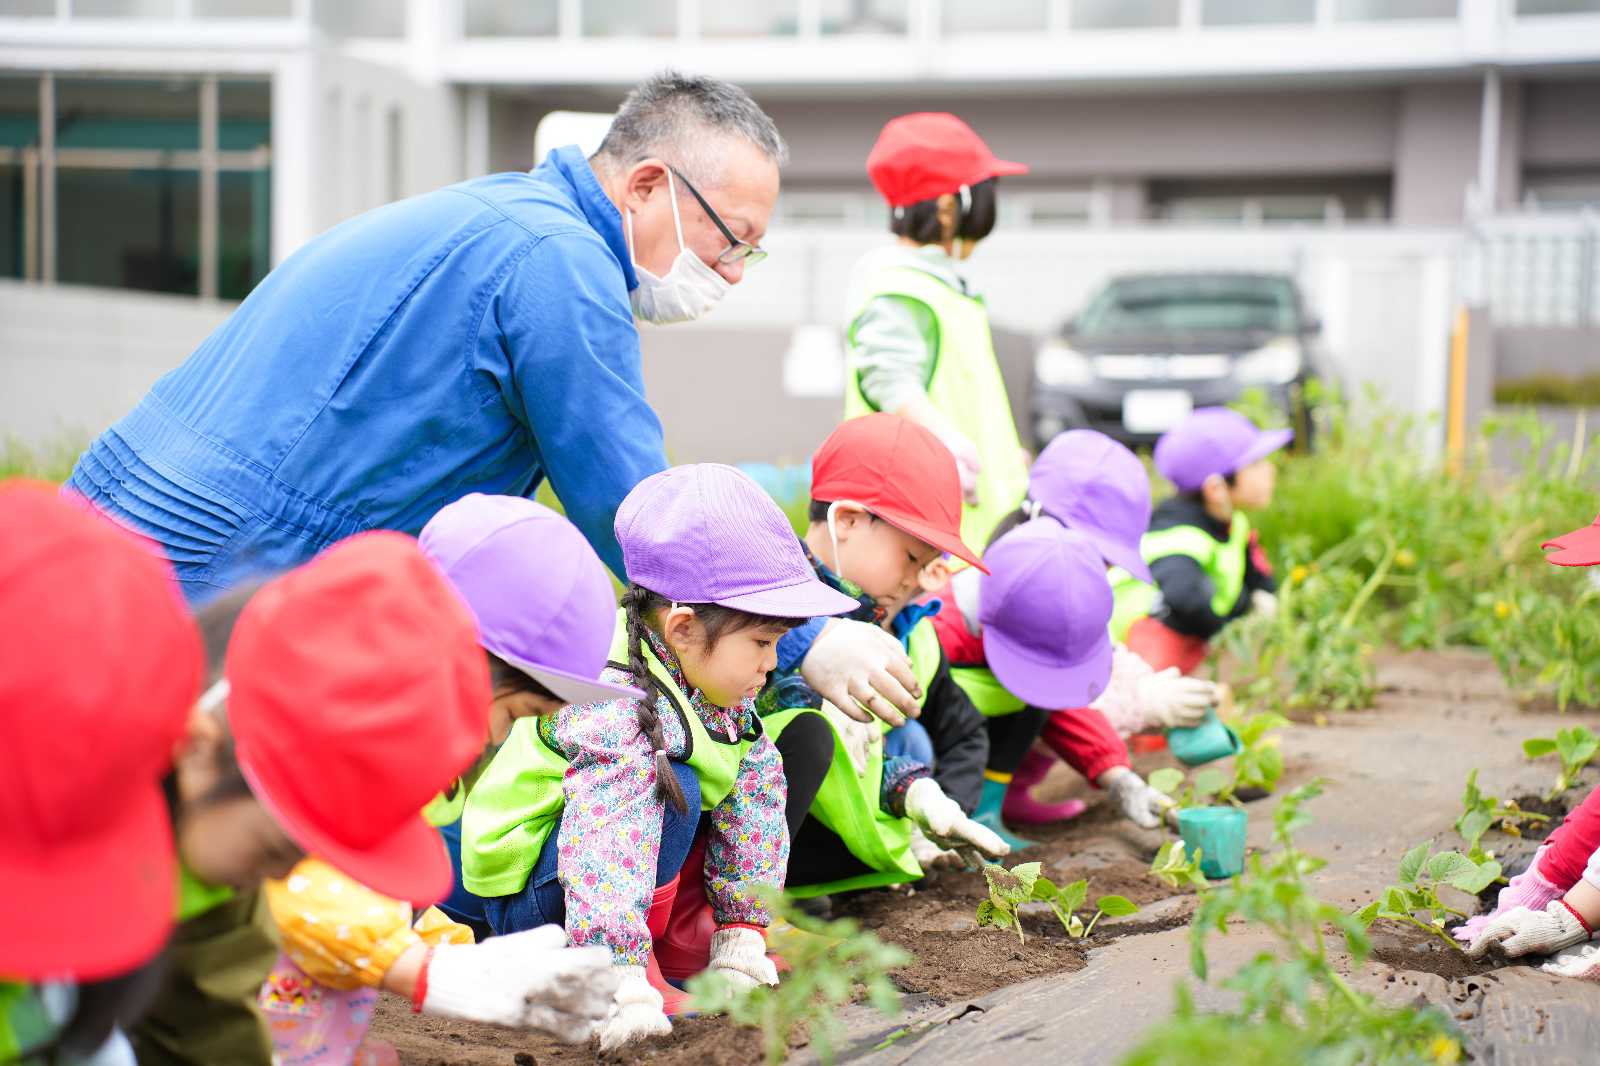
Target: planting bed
[(1394, 777)]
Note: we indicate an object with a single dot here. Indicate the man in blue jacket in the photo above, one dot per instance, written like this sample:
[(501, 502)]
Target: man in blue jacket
[(475, 339)]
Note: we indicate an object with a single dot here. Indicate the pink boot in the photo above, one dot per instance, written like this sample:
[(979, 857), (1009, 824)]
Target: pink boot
[(1021, 807)]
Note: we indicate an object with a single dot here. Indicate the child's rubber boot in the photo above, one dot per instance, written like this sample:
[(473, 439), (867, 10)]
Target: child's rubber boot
[(988, 812), (674, 1001), (1020, 806), (683, 948)]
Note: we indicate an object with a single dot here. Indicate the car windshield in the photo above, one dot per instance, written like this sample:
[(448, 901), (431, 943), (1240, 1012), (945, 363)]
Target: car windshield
[(1196, 304)]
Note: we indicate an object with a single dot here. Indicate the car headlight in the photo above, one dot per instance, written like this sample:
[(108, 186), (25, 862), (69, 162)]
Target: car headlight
[(1059, 367), (1275, 363)]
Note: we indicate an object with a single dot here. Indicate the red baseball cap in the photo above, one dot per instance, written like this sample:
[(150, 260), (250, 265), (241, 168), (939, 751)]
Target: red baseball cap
[(901, 473), (927, 154), (1581, 547), (358, 691), (100, 664)]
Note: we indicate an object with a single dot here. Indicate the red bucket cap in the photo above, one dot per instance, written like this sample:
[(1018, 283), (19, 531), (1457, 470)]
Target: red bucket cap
[(1581, 547), (924, 155), (358, 692), (100, 664), (900, 472)]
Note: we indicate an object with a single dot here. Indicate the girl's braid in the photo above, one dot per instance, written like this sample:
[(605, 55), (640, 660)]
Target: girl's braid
[(636, 601)]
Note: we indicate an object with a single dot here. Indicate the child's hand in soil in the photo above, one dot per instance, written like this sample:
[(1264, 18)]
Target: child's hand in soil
[(1581, 962), (946, 824), (1140, 803), (740, 955), (1528, 889), (527, 980), (1521, 931), (637, 1011)]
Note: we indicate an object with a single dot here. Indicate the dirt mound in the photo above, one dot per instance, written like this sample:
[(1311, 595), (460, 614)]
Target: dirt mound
[(1406, 947)]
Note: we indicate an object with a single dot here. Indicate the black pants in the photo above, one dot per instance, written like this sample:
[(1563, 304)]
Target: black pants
[(1010, 736), (807, 749)]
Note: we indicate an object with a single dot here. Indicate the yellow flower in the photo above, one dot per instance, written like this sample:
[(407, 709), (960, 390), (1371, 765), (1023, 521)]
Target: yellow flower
[(1502, 609), (1405, 557), (1445, 1050), (1297, 575)]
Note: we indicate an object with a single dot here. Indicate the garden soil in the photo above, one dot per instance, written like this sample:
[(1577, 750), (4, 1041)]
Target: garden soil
[(1393, 777)]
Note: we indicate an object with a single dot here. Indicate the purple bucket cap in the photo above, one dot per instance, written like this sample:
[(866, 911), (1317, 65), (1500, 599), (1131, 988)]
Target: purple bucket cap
[(1213, 440), (541, 596), (1097, 487), (707, 533), (1045, 609)]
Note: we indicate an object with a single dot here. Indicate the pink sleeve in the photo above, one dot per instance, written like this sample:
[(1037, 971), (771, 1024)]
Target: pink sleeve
[(1120, 701)]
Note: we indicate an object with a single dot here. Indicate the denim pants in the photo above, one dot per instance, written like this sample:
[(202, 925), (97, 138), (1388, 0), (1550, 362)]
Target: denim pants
[(910, 741), (542, 900)]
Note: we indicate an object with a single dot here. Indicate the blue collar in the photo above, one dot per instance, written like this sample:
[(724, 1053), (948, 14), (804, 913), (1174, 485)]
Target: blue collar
[(566, 166), (901, 625)]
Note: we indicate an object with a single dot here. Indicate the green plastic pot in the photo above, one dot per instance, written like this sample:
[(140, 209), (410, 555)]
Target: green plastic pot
[(1218, 834), (1206, 742)]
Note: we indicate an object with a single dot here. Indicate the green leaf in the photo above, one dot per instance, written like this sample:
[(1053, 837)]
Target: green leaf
[(1045, 889), (1412, 863), (1396, 901), (988, 915), (1027, 874), (1473, 825), (1073, 895), (1368, 914), (1165, 780), (1447, 865), (1116, 906), (1210, 782), (1538, 747)]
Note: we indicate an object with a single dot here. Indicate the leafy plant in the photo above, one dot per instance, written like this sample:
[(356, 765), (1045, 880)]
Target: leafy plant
[(1177, 869), (1575, 747), (1259, 763), (1010, 889), (1206, 785), (1480, 812), (1293, 1006), (1421, 875), (828, 962)]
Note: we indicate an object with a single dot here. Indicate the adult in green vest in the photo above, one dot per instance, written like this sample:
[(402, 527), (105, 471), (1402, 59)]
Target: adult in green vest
[(1207, 564), (95, 691), (886, 503), (918, 343)]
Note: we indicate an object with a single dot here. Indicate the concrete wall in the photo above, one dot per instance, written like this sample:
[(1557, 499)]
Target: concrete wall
[(1521, 352)]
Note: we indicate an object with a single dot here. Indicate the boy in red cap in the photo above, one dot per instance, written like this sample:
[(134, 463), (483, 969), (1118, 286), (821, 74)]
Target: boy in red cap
[(84, 829), (885, 505), (919, 343), (1554, 906)]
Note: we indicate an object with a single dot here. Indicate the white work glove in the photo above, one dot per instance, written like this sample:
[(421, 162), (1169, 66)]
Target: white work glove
[(1171, 700), (1140, 803), (740, 956), (1582, 963), (1264, 603), (1529, 889), (526, 980), (636, 1011), (863, 671), (931, 856), (1521, 931), (946, 824), (857, 737)]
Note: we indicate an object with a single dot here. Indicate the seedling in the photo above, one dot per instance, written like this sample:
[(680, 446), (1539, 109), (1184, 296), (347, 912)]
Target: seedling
[(1575, 747), (1417, 893), (1480, 812), (1259, 763), (827, 963), (1207, 785), (1172, 866), (1010, 889)]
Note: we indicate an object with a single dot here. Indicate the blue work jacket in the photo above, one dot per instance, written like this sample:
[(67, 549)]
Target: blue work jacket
[(474, 339)]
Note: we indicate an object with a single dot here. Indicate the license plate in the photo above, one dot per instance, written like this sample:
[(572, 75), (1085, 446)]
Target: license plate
[(1155, 410)]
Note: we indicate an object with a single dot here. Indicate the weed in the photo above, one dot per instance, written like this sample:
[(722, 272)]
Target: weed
[(1010, 889), (1575, 747), (826, 966), (1417, 893)]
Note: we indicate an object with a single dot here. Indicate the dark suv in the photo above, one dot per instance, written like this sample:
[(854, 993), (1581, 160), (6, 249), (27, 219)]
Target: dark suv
[(1149, 348)]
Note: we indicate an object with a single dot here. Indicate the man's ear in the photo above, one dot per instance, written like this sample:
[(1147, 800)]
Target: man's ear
[(644, 180)]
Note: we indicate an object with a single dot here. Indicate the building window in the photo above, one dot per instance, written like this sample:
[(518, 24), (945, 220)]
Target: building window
[(512, 18), (154, 184), (1558, 7), (1256, 13), (751, 18), (996, 16), (1287, 201), (864, 16), (629, 18), (1383, 10), (1123, 14)]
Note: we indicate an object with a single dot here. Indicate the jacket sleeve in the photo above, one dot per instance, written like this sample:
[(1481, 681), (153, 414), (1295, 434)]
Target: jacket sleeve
[(1257, 568), (960, 738), (1571, 851), (610, 835), (748, 840), (572, 353), (1085, 741), (1186, 591), (1120, 701), (891, 347), (795, 645)]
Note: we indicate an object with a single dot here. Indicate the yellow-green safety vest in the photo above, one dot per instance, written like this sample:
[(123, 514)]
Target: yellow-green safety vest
[(966, 385), (992, 699), (196, 897), (1224, 562), (511, 809), (848, 803)]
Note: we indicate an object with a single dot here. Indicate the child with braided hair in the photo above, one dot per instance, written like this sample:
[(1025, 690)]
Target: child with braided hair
[(589, 818)]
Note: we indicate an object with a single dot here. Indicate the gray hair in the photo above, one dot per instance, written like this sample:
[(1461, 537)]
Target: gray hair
[(669, 115)]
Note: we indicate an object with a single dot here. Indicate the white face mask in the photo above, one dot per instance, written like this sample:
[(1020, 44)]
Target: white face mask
[(689, 289)]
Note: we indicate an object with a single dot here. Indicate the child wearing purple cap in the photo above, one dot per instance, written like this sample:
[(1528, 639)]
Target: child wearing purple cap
[(1207, 566), (1097, 487), (588, 818)]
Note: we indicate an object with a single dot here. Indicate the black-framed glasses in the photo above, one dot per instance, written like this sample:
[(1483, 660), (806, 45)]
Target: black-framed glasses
[(737, 250)]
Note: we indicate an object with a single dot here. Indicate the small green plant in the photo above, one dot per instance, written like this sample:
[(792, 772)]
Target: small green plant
[(1010, 889), (826, 966), (1177, 869), (1292, 1005), (1421, 874), (1204, 787), (1259, 763), (1480, 812), (1575, 747)]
